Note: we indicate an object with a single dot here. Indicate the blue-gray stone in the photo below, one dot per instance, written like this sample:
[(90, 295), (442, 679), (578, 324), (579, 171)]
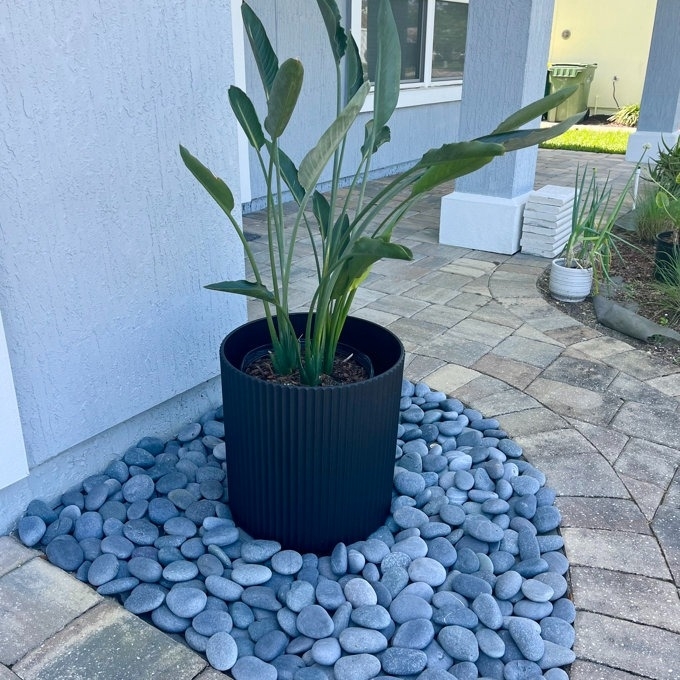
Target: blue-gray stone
[(186, 602), (136, 457), (469, 586), (197, 642), (452, 514), (411, 462), (241, 614), (409, 483), (486, 608), (460, 643), (286, 562), (532, 567), (525, 485), (271, 645), (537, 591), (490, 643), (31, 529), (482, 480), (467, 562), (65, 552), (427, 570), (260, 597), (220, 536), (370, 616), (259, 551), (413, 414), (210, 565), (252, 668), (338, 559), (96, 497), (137, 509), (374, 550), (359, 592), (508, 585), (180, 570), (341, 618), (145, 598), (417, 446), (226, 589), (395, 580), (546, 518), (408, 518), (180, 526), (140, 531), (469, 438), (102, 570), (214, 428), (510, 448), (314, 622), (550, 542), (113, 510), (482, 529), (414, 547), (287, 620), (528, 545), (362, 641), (153, 445), (455, 615), (355, 667), (355, 561), (221, 651), (406, 607), (532, 610), (112, 527), (117, 545), (89, 525), (527, 636), (329, 595), (168, 622), (442, 550), (502, 561), (414, 634), (556, 655), (450, 428), (251, 574), (171, 482), (564, 609), (300, 595), (403, 661), (557, 631), (326, 652), (193, 548), (189, 432), (145, 569), (522, 669), (166, 555), (211, 489), (504, 489), (556, 562), (210, 472), (118, 585), (117, 470), (557, 582)]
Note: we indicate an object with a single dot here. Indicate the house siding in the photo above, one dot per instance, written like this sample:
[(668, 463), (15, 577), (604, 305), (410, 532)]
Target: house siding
[(106, 238)]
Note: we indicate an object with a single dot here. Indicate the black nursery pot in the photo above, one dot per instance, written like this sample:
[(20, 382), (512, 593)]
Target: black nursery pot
[(666, 255), (311, 466)]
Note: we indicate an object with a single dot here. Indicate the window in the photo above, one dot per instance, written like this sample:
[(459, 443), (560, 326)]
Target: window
[(432, 35)]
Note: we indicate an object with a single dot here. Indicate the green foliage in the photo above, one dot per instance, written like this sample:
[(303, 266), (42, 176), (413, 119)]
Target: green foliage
[(348, 234), (665, 169), (650, 219), (669, 287), (626, 115), (593, 241), (594, 138)]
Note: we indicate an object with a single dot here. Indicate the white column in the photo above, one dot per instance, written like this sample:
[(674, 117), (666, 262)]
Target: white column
[(505, 69)]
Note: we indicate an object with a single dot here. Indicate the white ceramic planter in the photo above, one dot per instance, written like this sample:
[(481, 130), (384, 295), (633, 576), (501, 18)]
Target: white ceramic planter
[(569, 284)]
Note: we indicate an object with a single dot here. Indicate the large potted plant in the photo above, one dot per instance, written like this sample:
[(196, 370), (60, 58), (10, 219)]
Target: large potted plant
[(310, 463), (587, 255)]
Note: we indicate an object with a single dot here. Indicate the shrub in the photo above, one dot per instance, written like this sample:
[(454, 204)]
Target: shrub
[(626, 115)]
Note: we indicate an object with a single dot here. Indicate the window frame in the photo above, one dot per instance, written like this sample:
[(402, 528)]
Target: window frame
[(425, 91)]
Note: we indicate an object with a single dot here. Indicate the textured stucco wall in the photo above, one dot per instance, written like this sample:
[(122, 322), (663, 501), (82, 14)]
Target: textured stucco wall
[(300, 32), (105, 238)]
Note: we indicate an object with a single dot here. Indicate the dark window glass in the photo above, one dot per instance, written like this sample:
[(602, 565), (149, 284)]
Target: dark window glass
[(448, 49)]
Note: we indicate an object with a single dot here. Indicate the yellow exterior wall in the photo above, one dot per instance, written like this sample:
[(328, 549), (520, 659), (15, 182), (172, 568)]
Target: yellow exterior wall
[(614, 34)]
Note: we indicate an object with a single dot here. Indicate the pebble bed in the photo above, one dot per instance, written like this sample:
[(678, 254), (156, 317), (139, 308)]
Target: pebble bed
[(465, 580)]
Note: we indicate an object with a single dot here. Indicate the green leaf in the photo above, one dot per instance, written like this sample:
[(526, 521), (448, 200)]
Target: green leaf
[(265, 57), (459, 151), (520, 139), (336, 33), (315, 161), (387, 67), (289, 174), (535, 109), (212, 184), (382, 137), (247, 117), (355, 69), (445, 172), (662, 201), (364, 253), (322, 211), (243, 287), (283, 97)]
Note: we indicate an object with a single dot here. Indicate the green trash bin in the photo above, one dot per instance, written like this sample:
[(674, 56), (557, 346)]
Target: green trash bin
[(564, 75)]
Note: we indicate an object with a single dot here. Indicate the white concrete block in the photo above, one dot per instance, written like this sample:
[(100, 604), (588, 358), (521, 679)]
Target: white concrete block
[(482, 222), (641, 138)]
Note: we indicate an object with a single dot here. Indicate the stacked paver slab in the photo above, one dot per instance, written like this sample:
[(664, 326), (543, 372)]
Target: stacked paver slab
[(547, 221)]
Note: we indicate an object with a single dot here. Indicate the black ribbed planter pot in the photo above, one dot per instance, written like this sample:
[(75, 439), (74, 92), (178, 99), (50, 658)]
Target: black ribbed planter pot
[(665, 256), (311, 466)]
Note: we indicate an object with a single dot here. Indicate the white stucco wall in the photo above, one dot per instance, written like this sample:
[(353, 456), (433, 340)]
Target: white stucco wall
[(105, 238)]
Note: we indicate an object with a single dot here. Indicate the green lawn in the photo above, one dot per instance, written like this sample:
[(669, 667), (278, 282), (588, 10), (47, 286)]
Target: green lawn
[(600, 139)]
